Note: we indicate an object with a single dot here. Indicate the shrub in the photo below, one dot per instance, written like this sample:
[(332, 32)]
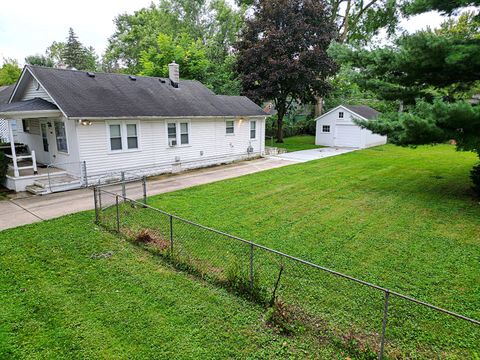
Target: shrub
[(475, 176), (3, 166)]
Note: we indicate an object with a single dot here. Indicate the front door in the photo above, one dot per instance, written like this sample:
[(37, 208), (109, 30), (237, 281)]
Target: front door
[(48, 142)]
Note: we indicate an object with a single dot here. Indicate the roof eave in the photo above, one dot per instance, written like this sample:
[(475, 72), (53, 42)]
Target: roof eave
[(33, 114)]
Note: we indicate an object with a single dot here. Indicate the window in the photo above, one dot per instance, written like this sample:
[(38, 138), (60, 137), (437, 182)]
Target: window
[(61, 136), (132, 137), (115, 137), (326, 128), (44, 130), (25, 126), (172, 132), (253, 129), (340, 114), (229, 126), (183, 133)]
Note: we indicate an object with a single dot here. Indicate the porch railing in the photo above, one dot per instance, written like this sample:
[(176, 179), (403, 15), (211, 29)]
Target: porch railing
[(16, 168), (76, 170)]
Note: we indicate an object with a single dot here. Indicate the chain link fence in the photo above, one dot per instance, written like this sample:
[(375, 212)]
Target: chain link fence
[(364, 320)]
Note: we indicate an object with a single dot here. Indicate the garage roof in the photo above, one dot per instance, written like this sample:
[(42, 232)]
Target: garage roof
[(364, 111)]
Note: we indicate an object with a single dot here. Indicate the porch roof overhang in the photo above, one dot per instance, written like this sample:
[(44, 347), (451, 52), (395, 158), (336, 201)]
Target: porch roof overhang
[(34, 108)]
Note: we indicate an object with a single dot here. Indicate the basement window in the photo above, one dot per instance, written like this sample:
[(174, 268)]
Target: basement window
[(326, 128)]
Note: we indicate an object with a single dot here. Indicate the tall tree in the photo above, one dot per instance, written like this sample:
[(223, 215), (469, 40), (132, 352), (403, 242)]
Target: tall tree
[(282, 53), (9, 72), (73, 53)]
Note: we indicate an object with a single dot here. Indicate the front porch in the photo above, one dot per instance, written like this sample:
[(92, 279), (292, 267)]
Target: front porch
[(32, 152)]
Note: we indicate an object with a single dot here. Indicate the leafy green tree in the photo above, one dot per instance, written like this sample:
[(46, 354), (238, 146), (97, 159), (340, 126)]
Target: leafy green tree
[(9, 72), (413, 7), (188, 53), (40, 60), (282, 53), (213, 24), (54, 52)]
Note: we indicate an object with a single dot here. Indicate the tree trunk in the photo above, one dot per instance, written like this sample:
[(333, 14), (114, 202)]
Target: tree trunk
[(279, 128), (318, 106)]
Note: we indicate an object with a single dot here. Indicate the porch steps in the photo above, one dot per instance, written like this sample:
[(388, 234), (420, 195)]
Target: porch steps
[(36, 190), (60, 182)]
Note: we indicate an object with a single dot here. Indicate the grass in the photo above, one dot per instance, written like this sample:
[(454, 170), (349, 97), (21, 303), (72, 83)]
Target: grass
[(296, 143), (402, 218), (71, 290)]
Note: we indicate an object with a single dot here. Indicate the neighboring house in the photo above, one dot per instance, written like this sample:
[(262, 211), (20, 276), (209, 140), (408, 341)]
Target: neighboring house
[(336, 128), (89, 125)]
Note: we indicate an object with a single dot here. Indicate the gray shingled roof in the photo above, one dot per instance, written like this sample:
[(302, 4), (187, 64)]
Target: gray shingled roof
[(365, 111), (36, 104), (5, 92), (116, 95)]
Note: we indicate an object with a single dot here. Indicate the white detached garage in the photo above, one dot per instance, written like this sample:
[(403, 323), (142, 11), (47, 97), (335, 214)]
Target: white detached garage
[(336, 128)]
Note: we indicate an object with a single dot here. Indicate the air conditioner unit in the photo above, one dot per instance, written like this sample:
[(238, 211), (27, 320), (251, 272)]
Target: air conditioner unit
[(172, 142)]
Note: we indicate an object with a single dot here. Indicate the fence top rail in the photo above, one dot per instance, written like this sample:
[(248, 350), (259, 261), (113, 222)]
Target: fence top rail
[(305, 262), (120, 182)]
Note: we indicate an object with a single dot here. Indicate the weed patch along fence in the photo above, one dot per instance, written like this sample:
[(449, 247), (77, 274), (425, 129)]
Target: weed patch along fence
[(363, 319)]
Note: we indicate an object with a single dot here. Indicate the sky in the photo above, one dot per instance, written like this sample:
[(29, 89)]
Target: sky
[(28, 27)]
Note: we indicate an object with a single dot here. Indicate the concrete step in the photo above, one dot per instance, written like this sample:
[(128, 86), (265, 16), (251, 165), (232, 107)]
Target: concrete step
[(36, 190)]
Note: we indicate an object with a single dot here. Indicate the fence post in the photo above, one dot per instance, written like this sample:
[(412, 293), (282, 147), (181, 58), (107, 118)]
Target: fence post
[(171, 236), (118, 214), (144, 184), (384, 324), (251, 267), (84, 164), (124, 190), (96, 204), (99, 191)]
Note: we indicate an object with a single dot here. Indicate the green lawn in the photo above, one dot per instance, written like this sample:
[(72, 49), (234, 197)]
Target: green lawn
[(401, 218), (60, 302), (295, 143)]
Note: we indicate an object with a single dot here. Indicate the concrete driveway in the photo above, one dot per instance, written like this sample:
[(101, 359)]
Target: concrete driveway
[(313, 154), (25, 209)]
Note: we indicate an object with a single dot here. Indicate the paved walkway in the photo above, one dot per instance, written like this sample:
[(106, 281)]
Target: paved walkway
[(313, 154), (25, 209)]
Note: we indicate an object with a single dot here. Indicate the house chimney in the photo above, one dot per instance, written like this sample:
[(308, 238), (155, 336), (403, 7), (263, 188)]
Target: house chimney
[(174, 74)]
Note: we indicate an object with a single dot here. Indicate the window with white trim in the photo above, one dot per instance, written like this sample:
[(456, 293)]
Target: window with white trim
[(115, 137), (184, 134), (253, 129), (132, 136), (123, 136), (326, 128), (172, 132), (229, 127), (340, 114), (61, 136)]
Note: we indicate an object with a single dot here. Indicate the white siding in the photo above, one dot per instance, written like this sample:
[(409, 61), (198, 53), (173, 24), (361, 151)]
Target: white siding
[(34, 90), (208, 144), (344, 132)]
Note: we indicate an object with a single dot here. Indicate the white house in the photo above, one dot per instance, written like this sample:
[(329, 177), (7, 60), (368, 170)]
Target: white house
[(80, 127), (336, 128)]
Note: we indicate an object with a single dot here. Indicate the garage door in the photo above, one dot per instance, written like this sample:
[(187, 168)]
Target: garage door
[(348, 136)]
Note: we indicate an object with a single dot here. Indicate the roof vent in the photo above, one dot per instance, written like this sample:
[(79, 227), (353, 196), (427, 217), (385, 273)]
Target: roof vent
[(91, 74), (133, 78)]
